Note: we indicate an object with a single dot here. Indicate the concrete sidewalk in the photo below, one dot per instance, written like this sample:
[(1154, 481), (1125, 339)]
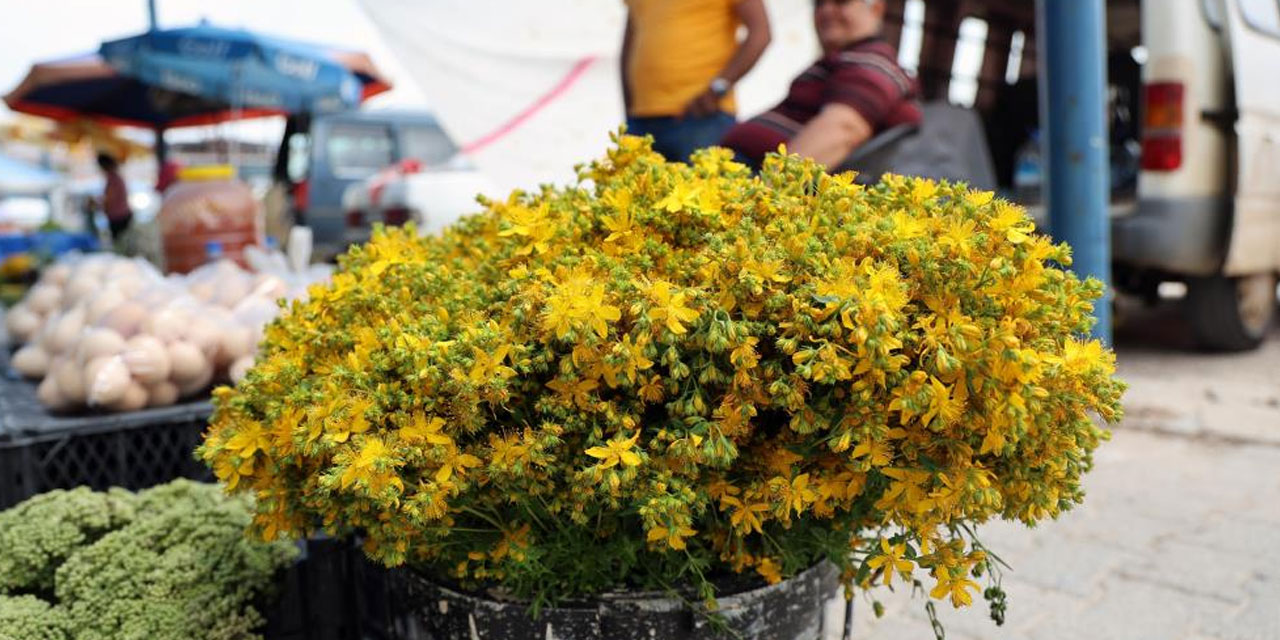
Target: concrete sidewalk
[(1179, 537)]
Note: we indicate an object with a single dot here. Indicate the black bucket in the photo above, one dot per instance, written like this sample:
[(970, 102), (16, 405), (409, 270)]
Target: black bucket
[(809, 606)]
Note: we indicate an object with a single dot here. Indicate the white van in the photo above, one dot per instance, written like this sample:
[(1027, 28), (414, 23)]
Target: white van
[(1194, 116)]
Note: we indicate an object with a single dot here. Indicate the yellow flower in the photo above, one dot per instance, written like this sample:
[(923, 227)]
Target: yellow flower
[(355, 421), (488, 366), (420, 429), (575, 392), (231, 473), (943, 409), (797, 352), (669, 309), (1012, 222), (682, 196), (674, 536), (363, 466), (769, 570), (250, 439), (457, 463), (633, 352), (797, 495), (532, 224), (956, 588), (879, 454), (577, 302), (616, 452), (746, 518), (890, 561)]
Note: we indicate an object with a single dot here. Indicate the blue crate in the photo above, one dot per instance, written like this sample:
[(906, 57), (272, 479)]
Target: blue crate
[(11, 243), (56, 243)]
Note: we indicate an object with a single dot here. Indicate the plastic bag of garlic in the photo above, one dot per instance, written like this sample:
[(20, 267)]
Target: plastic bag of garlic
[(112, 334)]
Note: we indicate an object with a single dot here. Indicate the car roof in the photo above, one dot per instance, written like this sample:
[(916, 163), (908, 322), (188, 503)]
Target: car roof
[(389, 116)]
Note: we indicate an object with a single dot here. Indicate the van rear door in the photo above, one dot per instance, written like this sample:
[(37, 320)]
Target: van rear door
[(1252, 29)]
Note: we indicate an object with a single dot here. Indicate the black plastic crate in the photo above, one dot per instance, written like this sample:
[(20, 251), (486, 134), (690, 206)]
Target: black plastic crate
[(335, 592), (40, 451), (383, 615), (315, 598)]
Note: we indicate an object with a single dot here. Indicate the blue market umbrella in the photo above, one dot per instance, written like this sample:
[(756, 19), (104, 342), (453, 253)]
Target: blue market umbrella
[(86, 86), (244, 69)]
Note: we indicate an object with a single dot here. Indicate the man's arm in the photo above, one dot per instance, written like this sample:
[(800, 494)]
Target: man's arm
[(831, 135), (625, 63), (753, 16)]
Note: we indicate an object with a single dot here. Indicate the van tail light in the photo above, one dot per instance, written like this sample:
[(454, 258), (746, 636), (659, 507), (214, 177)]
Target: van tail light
[(355, 218), (395, 216), (1162, 127), (301, 195)]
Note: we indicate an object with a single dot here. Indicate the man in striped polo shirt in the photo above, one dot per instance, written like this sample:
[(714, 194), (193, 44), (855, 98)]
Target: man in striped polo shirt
[(854, 91)]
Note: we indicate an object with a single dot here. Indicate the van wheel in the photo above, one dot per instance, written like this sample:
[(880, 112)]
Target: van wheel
[(1231, 314)]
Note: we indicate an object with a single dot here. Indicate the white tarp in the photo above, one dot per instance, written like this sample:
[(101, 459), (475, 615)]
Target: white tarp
[(538, 82)]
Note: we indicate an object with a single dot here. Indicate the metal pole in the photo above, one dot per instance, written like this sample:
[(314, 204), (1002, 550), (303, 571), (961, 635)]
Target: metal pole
[(1072, 46), (162, 152)]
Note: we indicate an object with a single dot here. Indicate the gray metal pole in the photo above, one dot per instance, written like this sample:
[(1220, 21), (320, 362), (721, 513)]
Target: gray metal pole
[(161, 151), (1072, 45)]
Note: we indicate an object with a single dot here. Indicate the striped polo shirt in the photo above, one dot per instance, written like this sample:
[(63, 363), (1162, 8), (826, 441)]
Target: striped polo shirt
[(864, 75)]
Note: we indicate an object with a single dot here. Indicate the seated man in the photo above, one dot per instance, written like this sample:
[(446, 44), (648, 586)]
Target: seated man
[(853, 92)]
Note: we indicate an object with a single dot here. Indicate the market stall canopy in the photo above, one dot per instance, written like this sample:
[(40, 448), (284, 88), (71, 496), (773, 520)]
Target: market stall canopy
[(247, 69), (86, 86), (534, 87)]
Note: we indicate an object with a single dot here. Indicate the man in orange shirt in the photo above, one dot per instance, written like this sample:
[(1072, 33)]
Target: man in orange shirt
[(680, 61)]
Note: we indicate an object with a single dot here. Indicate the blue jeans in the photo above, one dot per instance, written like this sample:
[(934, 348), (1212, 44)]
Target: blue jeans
[(676, 138)]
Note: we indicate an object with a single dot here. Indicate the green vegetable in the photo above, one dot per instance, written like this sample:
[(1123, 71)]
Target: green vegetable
[(30, 618), (169, 563), (39, 534)]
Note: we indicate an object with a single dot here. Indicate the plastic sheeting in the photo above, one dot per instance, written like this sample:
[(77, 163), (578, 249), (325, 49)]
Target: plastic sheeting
[(19, 178), (534, 87)]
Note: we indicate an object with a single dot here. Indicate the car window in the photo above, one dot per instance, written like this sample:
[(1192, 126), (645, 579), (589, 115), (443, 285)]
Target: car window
[(1263, 15), (428, 144), (358, 150)]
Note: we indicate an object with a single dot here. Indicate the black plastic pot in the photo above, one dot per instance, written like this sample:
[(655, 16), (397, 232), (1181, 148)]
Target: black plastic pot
[(809, 606)]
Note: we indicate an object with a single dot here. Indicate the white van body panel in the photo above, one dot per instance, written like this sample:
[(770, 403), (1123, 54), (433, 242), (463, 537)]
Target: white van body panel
[(1255, 60), (1183, 47)]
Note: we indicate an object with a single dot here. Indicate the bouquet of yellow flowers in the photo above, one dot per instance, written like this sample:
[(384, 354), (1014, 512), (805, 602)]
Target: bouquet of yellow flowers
[(672, 372)]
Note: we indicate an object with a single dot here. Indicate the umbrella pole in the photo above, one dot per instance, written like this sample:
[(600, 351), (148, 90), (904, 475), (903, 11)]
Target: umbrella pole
[(161, 150)]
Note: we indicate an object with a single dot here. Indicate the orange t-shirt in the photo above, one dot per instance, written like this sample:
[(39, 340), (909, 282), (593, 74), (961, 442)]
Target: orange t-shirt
[(677, 48)]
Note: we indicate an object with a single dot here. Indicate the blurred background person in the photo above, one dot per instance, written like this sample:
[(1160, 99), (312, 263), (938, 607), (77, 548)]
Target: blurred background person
[(855, 90), (115, 197), (167, 175), (680, 61)]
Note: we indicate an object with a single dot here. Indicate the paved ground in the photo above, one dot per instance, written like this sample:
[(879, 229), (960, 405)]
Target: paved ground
[(1179, 538)]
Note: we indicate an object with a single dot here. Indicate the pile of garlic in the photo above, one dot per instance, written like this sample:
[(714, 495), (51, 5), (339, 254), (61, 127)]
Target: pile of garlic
[(113, 334)]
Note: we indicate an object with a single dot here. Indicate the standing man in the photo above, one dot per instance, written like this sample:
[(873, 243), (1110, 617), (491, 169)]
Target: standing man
[(115, 196), (680, 61)]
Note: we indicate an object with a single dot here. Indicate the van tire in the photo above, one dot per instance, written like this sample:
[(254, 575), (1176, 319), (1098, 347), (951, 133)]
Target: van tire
[(1231, 314)]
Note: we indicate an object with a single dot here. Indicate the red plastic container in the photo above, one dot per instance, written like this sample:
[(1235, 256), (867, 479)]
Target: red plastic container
[(208, 207)]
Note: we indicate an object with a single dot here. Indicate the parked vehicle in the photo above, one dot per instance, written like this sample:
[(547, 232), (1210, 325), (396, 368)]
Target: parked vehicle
[(431, 197), (1194, 116), (319, 159)]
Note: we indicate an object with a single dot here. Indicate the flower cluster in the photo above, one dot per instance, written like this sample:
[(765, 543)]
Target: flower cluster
[(670, 372)]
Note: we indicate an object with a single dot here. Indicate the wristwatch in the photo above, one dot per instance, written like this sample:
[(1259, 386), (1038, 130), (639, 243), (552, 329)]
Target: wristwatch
[(720, 86)]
